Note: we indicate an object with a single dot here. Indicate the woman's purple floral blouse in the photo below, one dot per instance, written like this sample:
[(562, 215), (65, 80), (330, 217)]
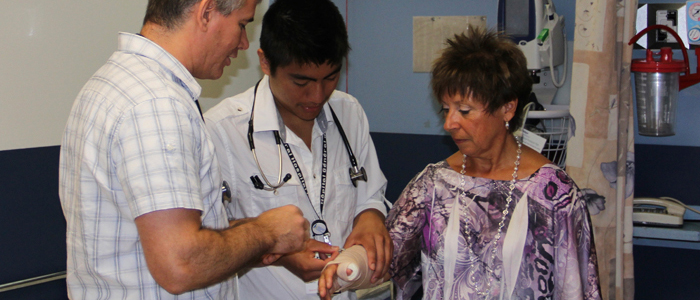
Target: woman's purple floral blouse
[(558, 260)]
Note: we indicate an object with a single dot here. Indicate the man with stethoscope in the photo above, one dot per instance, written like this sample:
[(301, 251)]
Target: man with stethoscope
[(294, 139)]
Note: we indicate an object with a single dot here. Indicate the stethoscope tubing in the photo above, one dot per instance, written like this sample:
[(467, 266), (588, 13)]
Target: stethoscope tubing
[(355, 173), (280, 182), (251, 143), (353, 162)]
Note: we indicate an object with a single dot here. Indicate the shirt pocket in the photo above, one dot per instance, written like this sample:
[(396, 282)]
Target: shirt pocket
[(263, 200), (342, 201)]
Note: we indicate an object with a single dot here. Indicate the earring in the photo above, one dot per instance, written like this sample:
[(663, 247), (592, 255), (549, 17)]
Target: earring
[(507, 126)]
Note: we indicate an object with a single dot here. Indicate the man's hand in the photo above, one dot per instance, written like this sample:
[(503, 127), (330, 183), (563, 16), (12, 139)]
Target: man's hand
[(182, 255), (304, 264), (370, 232), (268, 259), (286, 227)]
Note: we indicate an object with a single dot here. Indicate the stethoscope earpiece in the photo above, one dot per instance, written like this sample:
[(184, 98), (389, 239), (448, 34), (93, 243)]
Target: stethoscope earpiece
[(257, 183)]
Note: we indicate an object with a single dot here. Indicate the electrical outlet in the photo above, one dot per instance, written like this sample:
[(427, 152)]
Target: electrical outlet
[(672, 15), (668, 17)]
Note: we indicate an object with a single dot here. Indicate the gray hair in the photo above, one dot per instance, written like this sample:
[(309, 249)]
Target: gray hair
[(171, 13)]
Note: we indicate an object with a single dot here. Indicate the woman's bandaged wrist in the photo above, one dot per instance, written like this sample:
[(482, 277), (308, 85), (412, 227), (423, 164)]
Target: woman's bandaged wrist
[(355, 259)]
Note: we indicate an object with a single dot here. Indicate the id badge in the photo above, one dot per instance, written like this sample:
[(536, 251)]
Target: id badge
[(320, 232)]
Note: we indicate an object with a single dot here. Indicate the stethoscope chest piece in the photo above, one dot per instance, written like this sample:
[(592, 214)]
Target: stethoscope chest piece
[(225, 193), (356, 175)]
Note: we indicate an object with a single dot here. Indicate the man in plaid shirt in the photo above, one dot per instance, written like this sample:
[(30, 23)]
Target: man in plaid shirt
[(140, 184)]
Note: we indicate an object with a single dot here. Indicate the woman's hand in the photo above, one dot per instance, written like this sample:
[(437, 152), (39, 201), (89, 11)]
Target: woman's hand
[(370, 232), (325, 282)]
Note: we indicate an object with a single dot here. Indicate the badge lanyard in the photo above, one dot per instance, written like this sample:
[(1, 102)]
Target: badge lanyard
[(318, 227)]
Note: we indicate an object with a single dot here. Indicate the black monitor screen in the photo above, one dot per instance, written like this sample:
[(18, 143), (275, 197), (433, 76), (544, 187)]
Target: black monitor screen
[(516, 18)]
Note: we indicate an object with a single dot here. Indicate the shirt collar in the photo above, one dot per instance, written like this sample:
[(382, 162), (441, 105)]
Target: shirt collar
[(266, 111), (137, 44)]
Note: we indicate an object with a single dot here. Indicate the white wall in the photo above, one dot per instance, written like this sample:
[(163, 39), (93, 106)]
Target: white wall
[(51, 47)]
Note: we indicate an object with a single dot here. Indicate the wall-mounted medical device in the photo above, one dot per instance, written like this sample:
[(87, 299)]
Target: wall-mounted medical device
[(539, 31)]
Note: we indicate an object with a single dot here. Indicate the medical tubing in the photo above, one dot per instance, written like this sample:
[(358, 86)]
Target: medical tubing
[(672, 32), (551, 64), (278, 140), (550, 11), (279, 176), (250, 123), (279, 154), (353, 162), (250, 132)]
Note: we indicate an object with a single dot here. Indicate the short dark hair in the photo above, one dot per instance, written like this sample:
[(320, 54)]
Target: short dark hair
[(486, 66), (303, 32), (171, 13)]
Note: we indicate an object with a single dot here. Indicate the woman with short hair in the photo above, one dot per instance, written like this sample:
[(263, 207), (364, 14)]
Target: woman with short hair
[(496, 220)]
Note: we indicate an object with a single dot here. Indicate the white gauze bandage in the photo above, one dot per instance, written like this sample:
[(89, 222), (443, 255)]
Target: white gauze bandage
[(355, 259)]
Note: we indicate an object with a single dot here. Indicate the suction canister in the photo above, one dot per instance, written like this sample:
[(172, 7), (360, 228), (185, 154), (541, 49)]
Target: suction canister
[(657, 82)]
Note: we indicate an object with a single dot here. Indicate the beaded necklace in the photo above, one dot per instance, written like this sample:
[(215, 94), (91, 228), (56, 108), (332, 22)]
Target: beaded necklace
[(500, 224)]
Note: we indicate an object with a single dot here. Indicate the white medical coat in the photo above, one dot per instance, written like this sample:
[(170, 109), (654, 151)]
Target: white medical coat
[(228, 124)]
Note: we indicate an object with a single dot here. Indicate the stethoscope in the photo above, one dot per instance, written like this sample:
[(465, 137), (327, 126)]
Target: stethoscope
[(355, 172)]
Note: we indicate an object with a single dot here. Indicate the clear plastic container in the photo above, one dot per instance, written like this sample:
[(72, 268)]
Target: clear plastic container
[(656, 103), (656, 83)]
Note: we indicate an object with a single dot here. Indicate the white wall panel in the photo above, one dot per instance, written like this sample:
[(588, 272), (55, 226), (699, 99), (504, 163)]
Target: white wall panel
[(49, 48)]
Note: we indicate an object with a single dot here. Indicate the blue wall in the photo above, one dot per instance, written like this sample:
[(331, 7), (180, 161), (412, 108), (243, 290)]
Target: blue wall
[(33, 231), (381, 61)]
